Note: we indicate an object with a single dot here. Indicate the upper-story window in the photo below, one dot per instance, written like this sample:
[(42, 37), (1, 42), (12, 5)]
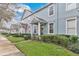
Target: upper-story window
[(51, 10), (70, 6)]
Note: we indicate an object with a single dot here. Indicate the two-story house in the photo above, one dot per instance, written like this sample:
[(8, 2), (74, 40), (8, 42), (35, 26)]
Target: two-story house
[(54, 18)]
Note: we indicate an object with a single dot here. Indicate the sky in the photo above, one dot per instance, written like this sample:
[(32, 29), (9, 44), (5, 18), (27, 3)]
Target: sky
[(31, 6), (35, 6)]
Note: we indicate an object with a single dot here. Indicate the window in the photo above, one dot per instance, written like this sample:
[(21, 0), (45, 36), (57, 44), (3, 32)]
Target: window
[(70, 6), (51, 27), (71, 27), (51, 10)]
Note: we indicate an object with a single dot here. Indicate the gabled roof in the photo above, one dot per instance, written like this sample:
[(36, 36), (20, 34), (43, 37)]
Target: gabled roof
[(38, 19), (39, 10)]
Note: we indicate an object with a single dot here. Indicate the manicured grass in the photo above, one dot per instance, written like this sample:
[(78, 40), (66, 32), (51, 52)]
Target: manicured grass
[(15, 39), (37, 48)]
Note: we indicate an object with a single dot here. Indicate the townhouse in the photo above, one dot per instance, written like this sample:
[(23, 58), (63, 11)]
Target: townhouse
[(54, 18)]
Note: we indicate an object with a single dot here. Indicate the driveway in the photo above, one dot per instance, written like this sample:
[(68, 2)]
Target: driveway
[(7, 48)]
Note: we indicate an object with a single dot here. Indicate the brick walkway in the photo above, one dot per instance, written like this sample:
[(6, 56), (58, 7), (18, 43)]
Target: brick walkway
[(8, 49)]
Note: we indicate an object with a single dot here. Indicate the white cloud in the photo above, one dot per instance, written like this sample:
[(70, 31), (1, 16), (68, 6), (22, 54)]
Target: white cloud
[(23, 6)]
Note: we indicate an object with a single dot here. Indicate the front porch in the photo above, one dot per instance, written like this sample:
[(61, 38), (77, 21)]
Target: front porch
[(38, 26)]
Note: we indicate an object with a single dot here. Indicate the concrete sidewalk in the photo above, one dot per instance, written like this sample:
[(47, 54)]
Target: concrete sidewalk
[(8, 49)]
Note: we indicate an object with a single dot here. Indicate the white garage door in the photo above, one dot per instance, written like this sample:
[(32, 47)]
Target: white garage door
[(71, 27)]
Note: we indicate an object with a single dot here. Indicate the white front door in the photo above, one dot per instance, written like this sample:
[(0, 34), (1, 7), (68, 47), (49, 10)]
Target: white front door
[(71, 27)]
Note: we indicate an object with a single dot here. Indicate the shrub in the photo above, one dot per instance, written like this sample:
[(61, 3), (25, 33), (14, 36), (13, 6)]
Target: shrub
[(57, 39), (65, 35), (75, 47), (26, 37), (54, 39), (62, 40), (4, 33), (35, 37), (73, 38), (20, 34), (45, 38)]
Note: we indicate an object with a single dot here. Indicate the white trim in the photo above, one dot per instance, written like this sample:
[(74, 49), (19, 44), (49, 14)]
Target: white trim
[(31, 30), (48, 28), (75, 24), (39, 33)]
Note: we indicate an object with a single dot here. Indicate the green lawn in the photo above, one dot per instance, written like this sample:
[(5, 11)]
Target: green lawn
[(15, 39), (37, 48)]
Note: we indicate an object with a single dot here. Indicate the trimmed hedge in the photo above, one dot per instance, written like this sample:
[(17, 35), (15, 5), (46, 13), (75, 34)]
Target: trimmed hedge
[(65, 35), (57, 39), (74, 47), (24, 35), (19, 34), (62, 40), (4, 33)]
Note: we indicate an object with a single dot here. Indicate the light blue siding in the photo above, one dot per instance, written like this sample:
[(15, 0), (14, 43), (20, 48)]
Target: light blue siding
[(59, 17)]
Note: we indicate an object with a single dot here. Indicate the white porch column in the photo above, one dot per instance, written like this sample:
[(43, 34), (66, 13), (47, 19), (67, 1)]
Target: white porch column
[(31, 30), (48, 27), (38, 28)]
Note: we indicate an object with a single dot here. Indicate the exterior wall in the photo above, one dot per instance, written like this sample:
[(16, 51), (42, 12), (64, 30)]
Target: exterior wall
[(73, 13), (78, 26), (77, 9), (61, 18)]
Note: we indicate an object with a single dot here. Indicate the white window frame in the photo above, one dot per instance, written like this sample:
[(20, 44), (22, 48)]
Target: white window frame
[(75, 24), (49, 10)]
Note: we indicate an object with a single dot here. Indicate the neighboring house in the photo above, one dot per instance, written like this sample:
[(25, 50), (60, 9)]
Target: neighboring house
[(25, 24), (54, 18), (20, 26)]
